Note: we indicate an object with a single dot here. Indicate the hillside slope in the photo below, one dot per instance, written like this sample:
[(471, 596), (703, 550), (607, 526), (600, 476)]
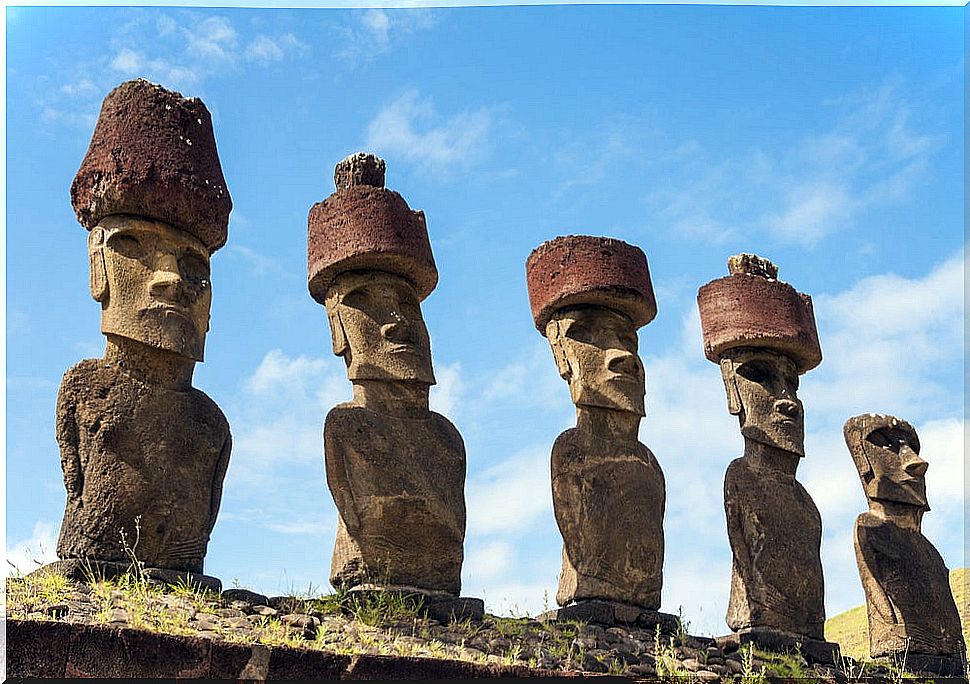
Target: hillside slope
[(851, 629)]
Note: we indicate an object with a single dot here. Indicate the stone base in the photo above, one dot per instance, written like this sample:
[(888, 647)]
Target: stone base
[(814, 650), (942, 665), (610, 613), (438, 606), (83, 570)]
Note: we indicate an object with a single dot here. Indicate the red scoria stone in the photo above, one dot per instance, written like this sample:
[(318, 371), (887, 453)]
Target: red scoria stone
[(363, 228), (751, 311), (153, 154), (584, 270)]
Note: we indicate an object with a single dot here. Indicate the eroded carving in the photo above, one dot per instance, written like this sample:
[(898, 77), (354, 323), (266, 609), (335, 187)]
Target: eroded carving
[(912, 613), (396, 470), (589, 295), (762, 334), (144, 453)]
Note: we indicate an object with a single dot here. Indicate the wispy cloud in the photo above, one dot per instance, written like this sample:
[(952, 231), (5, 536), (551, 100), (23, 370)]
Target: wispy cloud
[(26, 555), (874, 154), (374, 32), (180, 50), (411, 128)]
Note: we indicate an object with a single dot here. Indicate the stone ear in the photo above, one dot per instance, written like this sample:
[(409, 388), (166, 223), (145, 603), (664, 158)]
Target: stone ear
[(337, 334), (731, 386), (99, 271), (555, 343)]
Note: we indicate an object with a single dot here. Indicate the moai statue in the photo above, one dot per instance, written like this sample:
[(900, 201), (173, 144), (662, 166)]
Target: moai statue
[(144, 453), (589, 295), (762, 333), (912, 614), (396, 469)]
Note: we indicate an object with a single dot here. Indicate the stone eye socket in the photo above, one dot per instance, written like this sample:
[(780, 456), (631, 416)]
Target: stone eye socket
[(885, 438), (194, 269), (127, 246), (756, 371)]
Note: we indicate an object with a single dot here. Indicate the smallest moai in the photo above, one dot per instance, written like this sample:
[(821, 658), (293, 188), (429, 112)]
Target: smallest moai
[(912, 614), (589, 295)]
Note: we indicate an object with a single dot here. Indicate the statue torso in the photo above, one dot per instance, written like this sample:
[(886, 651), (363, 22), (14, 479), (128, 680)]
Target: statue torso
[(776, 534), (609, 503), (403, 522), (143, 452)]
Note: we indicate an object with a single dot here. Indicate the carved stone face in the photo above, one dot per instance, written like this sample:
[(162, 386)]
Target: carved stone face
[(596, 351), (376, 323), (762, 390), (886, 454), (153, 284)]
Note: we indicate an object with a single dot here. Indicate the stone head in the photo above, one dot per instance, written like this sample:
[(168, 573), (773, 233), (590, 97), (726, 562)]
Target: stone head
[(377, 326), (152, 281), (762, 390), (885, 450), (595, 349)]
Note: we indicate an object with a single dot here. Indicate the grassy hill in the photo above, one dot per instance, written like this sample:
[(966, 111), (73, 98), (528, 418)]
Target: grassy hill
[(851, 629)]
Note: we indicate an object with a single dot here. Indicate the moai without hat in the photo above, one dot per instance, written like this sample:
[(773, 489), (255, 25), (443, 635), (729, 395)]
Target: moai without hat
[(762, 334), (912, 614), (396, 469), (144, 453), (589, 295)]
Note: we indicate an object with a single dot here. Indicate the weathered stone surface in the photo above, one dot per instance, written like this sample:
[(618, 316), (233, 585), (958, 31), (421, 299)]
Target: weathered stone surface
[(108, 652), (238, 661), (138, 459), (153, 154), (396, 470), (813, 650), (909, 602), (609, 613), (359, 169), (37, 649), (361, 227), (250, 597), (144, 453), (585, 270), (296, 664), (749, 310), (588, 297), (763, 337), (447, 609)]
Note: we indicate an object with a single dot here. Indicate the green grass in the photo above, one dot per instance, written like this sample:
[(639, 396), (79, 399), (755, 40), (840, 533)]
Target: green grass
[(851, 628)]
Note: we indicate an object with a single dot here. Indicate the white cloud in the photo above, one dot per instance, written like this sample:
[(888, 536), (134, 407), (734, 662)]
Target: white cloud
[(29, 554), (265, 50), (376, 32), (446, 395), (127, 61), (505, 497), (488, 561), (410, 128), (213, 38), (872, 155)]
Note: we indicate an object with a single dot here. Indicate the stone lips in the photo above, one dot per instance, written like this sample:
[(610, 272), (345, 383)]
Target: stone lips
[(579, 269), (153, 154), (750, 311), (360, 228)]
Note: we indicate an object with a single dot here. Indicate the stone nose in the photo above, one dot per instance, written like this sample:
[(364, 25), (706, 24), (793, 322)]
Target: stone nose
[(166, 282), (788, 408), (623, 363), (915, 467)]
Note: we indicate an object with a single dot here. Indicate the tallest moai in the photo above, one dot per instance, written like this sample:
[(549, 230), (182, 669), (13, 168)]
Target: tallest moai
[(144, 453)]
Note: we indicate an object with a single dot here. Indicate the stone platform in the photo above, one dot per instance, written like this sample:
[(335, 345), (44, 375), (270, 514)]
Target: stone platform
[(814, 650), (442, 607), (84, 569), (611, 613)]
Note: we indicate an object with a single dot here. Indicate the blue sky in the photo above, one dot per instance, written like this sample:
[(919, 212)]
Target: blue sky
[(827, 139)]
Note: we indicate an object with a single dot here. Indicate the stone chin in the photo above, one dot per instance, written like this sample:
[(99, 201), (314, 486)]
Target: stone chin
[(911, 493), (401, 366), (786, 435), (160, 328), (618, 394)]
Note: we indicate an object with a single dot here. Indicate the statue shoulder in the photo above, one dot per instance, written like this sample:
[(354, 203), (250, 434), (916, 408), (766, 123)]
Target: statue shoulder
[(208, 410), (343, 418), (566, 449)]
